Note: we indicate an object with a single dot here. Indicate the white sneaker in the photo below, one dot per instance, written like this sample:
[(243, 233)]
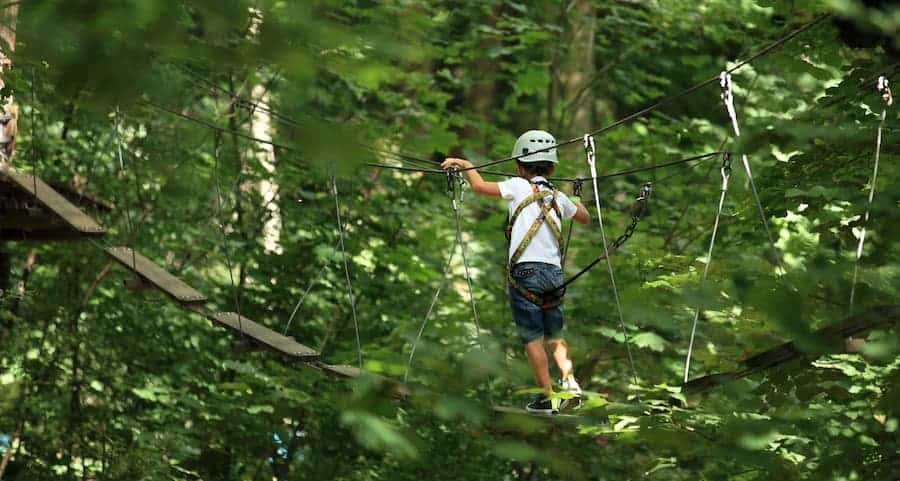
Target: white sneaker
[(571, 385)]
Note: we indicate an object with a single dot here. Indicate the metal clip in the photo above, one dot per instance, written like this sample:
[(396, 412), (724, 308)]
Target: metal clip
[(590, 148), (885, 90), (452, 179), (646, 190), (725, 84), (577, 187), (726, 169)]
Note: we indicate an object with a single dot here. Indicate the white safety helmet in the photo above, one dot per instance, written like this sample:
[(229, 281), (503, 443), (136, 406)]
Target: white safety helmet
[(535, 140)]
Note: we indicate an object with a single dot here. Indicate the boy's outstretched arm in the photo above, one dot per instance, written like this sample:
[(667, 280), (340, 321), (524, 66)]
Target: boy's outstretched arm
[(582, 216), (479, 185)]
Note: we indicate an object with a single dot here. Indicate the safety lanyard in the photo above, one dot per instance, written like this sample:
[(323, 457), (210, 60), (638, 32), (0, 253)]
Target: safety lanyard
[(591, 154)]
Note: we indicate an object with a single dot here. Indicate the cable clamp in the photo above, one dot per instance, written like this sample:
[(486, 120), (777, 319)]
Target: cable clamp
[(725, 84), (590, 149), (726, 163), (577, 187), (885, 90), (453, 177)]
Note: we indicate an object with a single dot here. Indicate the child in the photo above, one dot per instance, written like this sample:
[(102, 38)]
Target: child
[(536, 210)]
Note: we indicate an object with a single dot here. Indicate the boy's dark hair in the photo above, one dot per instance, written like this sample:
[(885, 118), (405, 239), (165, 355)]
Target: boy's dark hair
[(534, 169)]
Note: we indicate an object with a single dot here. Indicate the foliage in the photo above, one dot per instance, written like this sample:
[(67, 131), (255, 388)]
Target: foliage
[(114, 384)]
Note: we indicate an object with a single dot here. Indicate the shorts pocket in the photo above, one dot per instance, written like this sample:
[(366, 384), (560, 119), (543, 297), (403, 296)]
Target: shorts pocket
[(523, 273)]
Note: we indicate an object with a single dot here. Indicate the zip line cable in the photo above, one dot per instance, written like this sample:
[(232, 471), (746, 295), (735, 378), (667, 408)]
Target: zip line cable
[(726, 174), (340, 225), (885, 90), (664, 101), (762, 52), (620, 173), (592, 163)]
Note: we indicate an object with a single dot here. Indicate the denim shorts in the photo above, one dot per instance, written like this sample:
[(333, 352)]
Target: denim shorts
[(533, 322)]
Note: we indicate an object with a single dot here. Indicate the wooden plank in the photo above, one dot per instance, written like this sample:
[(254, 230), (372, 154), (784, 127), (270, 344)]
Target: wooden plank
[(54, 202), (263, 335), (341, 370), (156, 275)]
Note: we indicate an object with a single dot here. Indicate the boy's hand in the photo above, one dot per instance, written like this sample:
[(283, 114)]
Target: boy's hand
[(452, 162)]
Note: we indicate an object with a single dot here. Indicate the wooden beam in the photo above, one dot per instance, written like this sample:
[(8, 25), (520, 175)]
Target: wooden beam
[(831, 339), (155, 275)]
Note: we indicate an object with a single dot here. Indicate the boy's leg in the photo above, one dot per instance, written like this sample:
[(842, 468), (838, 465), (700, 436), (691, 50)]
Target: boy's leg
[(537, 358), (529, 323), (560, 351)]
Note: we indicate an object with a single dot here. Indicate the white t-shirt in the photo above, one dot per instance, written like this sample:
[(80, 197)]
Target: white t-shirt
[(543, 246)]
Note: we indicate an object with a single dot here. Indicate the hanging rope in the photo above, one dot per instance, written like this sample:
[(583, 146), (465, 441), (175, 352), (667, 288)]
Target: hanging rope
[(457, 199), (306, 292), (340, 224), (33, 149), (726, 174), (434, 299), (217, 142), (590, 150), (577, 189), (121, 157), (728, 100), (885, 90)]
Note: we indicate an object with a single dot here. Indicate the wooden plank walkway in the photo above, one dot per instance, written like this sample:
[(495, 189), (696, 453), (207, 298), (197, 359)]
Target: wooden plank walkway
[(155, 275), (53, 201), (262, 335), (341, 370)]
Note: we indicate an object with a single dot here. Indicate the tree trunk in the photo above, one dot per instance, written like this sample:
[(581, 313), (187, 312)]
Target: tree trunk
[(578, 68), (260, 127)]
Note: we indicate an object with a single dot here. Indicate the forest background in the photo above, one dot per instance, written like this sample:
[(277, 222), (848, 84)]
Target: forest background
[(208, 133)]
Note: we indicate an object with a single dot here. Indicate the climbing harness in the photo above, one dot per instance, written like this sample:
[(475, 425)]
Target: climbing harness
[(591, 153), (726, 174), (340, 226), (885, 90), (550, 299)]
